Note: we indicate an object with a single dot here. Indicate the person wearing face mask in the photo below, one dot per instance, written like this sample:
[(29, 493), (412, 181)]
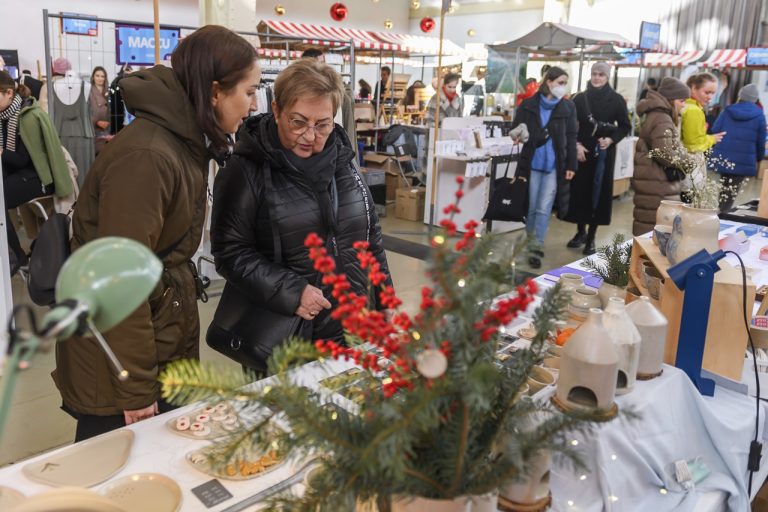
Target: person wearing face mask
[(548, 157), (150, 184), (451, 104), (652, 182), (293, 173), (603, 122)]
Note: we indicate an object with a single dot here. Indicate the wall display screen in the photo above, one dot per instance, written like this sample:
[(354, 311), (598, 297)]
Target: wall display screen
[(79, 26), (650, 35), (135, 44), (757, 56), (11, 60)]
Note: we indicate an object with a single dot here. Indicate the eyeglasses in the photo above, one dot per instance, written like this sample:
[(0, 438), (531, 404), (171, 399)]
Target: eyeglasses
[(300, 127)]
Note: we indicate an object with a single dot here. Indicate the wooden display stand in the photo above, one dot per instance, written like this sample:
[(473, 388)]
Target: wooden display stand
[(726, 336)]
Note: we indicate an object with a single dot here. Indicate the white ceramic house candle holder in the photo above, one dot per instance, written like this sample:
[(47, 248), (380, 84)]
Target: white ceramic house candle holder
[(652, 326), (588, 371), (626, 337)]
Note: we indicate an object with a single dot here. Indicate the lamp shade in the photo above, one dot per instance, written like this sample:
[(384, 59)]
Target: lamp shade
[(112, 276)]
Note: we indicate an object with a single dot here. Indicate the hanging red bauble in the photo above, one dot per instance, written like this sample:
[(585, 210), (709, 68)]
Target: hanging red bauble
[(427, 24), (339, 11)]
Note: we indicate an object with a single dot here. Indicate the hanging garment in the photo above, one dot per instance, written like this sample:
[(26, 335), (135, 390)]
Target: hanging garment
[(73, 122)]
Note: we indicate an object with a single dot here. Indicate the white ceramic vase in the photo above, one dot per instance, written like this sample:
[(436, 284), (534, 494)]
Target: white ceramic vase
[(582, 300), (487, 503), (693, 229), (589, 367), (606, 291), (533, 488), (667, 211), (652, 326), (626, 337), (571, 281)]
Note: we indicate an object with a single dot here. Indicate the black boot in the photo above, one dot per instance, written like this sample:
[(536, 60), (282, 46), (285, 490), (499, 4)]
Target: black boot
[(589, 247), (577, 241)]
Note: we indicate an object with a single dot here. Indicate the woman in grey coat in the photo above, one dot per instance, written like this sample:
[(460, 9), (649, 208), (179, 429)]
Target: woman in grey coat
[(451, 104)]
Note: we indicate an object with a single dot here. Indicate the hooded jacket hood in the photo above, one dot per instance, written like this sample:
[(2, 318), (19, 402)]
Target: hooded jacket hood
[(744, 111), (257, 143), (654, 102), (156, 95)]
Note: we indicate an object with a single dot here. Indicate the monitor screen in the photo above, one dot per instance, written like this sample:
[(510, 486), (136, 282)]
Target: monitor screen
[(136, 44), (757, 56), (650, 35), (79, 26)]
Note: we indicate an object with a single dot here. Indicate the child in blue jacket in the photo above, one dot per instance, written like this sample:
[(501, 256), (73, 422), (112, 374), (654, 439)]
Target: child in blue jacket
[(743, 147)]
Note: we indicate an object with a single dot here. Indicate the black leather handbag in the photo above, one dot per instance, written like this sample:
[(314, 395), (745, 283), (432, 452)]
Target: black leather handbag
[(49, 252), (247, 332)]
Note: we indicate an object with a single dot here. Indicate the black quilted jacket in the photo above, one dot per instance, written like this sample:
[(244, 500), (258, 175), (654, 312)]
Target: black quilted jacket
[(242, 226)]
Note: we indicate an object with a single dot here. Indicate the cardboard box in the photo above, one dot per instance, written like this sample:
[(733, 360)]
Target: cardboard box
[(620, 186), (387, 163), (409, 203)]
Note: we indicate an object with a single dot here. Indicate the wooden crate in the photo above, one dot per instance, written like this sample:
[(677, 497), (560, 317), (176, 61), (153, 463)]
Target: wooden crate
[(726, 335)]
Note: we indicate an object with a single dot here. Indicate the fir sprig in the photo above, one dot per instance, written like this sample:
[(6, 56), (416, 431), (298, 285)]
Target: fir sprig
[(612, 262)]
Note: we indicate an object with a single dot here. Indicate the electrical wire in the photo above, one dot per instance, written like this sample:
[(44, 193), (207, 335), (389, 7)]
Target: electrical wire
[(755, 443)]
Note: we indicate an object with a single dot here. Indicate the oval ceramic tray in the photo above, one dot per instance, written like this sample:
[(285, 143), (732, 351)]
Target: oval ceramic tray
[(144, 492), (217, 428), (84, 464), (9, 497), (259, 465), (68, 499)]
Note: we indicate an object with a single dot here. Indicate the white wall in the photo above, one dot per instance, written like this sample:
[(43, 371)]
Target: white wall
[(21, 27), (489, 27)]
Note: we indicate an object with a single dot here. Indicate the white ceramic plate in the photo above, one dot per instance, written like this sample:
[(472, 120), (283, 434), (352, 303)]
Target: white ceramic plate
[(216, 428), (84, 464), (199, 461), (144, 492), (67, 499)]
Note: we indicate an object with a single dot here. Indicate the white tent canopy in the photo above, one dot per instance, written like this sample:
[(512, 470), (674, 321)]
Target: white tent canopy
[(559, 37)]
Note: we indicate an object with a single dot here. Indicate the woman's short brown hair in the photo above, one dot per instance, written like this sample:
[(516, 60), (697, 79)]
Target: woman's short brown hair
[(552, 73), (308, 78), (211, 54), (8, 83), (699, 79)]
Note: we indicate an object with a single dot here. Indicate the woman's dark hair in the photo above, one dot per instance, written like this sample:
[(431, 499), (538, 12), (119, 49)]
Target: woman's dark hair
[(211, 54), (451, 77), (364, 85), (410, 93), (106, 76), (699, 79), (8, 83), (553, 73)]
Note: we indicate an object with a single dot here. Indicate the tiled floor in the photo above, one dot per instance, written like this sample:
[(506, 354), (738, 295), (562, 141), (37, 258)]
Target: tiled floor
[(37, 424)]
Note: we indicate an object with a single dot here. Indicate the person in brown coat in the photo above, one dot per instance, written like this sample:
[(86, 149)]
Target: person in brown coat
[(660, 130), (149, 184)]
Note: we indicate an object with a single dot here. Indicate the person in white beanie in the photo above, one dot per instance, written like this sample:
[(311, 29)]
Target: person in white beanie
[(736, 157)]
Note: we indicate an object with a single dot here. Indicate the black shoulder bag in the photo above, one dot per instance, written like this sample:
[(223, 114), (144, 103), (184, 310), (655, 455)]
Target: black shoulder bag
[(247, 332), (509, 199)]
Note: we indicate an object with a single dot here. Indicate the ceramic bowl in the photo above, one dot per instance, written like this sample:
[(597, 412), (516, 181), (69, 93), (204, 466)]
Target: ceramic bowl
[(539, 378), (662, 234), (759, 331), (571, 280), (644, 275), (552, 363), (555, 350)]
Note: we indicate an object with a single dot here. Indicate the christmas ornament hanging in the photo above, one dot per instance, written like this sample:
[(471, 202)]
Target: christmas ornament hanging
[(279, 10), (471, 32), (431, 363), (427, 24), (388, 24), (415, 4), (339, 11)]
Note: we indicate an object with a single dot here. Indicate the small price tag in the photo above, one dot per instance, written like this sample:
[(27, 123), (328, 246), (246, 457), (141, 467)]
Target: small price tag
[(211, 493)]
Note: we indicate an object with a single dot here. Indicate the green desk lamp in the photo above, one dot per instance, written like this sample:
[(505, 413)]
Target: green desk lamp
[(98, 287)]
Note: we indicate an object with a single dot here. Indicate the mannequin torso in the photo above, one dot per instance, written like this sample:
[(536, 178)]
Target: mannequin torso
[(67, 88)]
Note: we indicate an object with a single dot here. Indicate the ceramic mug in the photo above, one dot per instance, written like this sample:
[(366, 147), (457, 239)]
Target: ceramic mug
[(582, 300), (655, 279), (538, 379), (571, 281)]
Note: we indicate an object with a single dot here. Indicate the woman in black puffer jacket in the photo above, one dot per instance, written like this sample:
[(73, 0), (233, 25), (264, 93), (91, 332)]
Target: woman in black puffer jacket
[(292, 173)]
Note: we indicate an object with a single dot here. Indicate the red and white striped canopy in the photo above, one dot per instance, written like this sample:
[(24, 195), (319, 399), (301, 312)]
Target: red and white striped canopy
[(329, 36), (668, 60), (728, 58), (420, 44)]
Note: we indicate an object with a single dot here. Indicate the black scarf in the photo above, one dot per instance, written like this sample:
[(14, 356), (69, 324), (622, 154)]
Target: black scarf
[(318, 171), (10, 114), (598, 94)]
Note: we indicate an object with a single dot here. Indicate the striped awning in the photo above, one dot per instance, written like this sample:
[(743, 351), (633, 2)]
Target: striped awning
[(329, 36), (668, 60), (727, 58), (419, 44)]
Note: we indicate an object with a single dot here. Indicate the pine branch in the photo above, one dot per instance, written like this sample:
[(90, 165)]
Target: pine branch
[(458, 472), (187, 381)]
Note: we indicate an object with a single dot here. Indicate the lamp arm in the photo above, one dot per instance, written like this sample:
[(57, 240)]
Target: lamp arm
[(18, 359)]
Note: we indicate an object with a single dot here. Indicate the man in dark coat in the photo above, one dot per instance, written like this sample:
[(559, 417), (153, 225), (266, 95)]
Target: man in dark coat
[(603, 122)]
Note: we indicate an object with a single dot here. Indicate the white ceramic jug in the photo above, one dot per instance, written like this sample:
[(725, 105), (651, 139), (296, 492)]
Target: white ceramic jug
[(652, 326), (627, 339), (693, 229)]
